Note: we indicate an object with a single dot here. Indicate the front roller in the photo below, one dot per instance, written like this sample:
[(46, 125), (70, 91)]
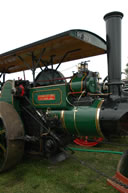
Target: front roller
[(11, 127)]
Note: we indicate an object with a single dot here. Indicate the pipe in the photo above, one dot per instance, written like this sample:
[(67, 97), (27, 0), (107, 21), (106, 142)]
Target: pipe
[(113, 36), (97, 151)]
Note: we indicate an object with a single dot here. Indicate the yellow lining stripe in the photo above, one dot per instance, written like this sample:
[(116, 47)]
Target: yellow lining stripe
[(56, 89), (85, 74), (63, 122), (97, 119), (75, 123)]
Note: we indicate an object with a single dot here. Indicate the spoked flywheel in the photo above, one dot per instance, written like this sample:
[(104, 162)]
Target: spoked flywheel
[(11, 128)]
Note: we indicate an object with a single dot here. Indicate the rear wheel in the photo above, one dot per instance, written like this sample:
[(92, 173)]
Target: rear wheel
[(11, 128)]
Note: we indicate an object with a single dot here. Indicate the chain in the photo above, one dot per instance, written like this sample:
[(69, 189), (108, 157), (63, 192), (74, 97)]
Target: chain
[(74, 157)]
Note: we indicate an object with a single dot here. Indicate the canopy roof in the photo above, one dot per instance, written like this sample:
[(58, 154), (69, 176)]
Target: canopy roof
[(66, 46)]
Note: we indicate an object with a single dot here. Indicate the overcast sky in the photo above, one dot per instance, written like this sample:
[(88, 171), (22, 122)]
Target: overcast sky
[(26, 21)]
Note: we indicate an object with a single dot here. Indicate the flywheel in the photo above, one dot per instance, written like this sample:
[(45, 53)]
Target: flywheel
[(11, 128)]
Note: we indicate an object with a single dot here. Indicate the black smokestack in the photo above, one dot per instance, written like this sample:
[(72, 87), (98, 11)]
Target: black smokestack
[(113, 33)]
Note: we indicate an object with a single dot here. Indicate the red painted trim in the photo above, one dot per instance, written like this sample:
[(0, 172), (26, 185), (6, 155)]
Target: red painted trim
[(46, 97), (85, 142), (76, 92), (120, 178), (22, 90)]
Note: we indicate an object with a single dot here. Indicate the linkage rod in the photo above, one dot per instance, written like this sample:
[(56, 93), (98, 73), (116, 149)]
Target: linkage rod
[(65, 55)]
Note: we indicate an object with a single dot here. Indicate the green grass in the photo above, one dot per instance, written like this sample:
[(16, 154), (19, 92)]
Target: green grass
[(34, 175)]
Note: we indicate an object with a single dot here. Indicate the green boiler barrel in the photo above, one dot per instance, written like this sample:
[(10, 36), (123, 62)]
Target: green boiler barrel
[(81, 120)]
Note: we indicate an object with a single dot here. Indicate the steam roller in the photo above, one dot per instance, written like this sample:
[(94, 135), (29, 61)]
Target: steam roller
[(45, 115)]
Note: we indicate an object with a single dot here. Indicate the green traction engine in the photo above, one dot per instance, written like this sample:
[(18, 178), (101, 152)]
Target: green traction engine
[(42, 117)]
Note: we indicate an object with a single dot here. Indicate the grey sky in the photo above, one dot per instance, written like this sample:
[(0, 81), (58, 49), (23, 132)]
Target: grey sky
[(26, 21)]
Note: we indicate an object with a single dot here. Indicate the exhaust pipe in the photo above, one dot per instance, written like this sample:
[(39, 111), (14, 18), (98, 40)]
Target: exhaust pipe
[(113, 36), (114, 110)]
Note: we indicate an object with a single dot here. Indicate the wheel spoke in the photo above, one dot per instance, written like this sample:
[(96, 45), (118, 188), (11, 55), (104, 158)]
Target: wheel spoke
[(2, 131), (3, 148)]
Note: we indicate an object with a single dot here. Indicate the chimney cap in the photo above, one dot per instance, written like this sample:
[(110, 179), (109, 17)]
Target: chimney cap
[(113, 14)]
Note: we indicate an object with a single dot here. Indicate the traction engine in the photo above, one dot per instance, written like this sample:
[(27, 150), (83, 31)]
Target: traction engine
[(44, 116)]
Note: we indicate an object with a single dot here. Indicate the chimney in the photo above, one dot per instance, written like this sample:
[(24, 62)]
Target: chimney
[(113, 36)]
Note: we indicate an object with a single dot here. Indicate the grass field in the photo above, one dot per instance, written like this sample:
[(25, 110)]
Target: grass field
[(34, 175)]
